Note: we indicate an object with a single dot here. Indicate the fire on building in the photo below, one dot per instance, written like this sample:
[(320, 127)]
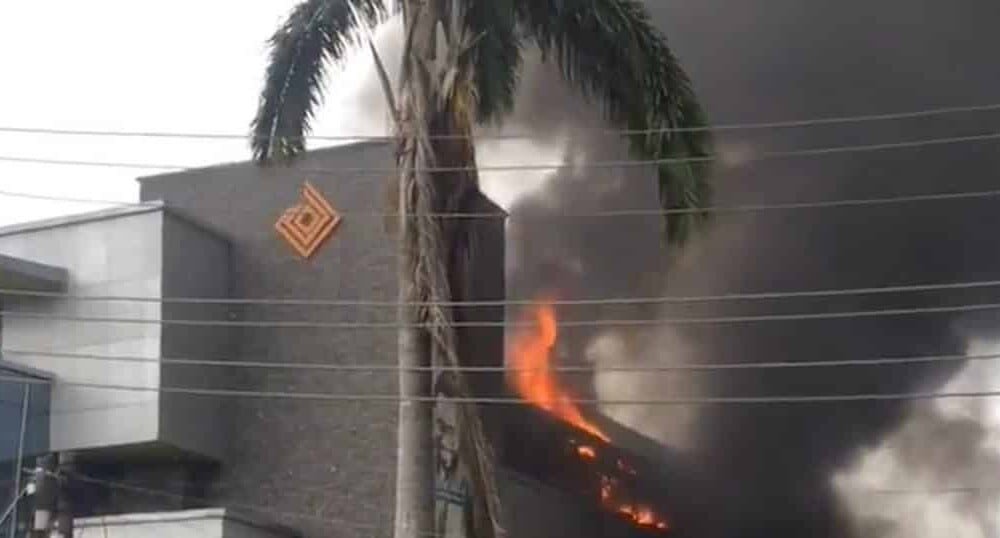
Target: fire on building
[(562, 472), (571, 452)]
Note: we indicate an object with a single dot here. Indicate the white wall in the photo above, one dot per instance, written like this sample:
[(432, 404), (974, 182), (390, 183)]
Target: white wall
[(204, 523), (116, 255), (144, 253)]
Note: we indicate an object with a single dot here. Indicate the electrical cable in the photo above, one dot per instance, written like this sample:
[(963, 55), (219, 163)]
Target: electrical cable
[(930, 112), (273, 324), (678, 299), (750, 208), (395, 398), (372, 368), (765, 155)]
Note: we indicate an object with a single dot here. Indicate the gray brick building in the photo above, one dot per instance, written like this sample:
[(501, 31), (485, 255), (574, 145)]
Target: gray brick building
[(316, 468)]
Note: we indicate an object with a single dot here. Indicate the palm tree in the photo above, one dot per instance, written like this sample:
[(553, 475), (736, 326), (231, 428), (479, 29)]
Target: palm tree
[(460, 67)]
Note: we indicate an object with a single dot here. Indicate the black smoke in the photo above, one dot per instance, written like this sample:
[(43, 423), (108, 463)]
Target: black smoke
[(767, 60)]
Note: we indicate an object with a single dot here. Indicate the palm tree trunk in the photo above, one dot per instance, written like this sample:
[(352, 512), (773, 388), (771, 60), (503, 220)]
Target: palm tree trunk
[(445, 480), (415, 453), (414, 516)]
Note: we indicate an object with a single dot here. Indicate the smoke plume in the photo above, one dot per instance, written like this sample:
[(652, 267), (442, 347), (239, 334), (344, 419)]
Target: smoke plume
[(802, 469), (776, 60), (931, 476)]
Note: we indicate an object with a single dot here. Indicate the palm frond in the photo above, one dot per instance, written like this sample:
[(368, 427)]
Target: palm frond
[(685, 189), (495, 56), (613, 53), (315, 33)]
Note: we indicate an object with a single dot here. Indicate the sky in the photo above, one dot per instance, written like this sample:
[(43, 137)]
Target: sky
[(186, 66), (182, 66)]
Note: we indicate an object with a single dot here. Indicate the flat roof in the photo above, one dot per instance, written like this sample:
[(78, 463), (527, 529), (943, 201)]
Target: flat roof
[(79, 218)]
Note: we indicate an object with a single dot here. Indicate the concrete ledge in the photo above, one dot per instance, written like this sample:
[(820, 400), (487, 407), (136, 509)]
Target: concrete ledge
[(19, 274), (198, 523), (8, 368)]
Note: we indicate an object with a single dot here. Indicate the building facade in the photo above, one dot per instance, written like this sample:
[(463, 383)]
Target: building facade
[(194, 350)]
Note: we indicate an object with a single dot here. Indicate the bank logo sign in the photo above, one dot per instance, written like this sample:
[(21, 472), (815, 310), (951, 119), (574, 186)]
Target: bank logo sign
[(307, 225)]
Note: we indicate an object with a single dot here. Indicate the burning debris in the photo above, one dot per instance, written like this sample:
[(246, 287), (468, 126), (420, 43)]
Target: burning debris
[(617, 491), (606, 476)]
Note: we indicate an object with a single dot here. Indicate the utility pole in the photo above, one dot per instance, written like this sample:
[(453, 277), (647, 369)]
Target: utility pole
[(415, 453), (19, 461), (11, 509), (46, 492), (65, 508)]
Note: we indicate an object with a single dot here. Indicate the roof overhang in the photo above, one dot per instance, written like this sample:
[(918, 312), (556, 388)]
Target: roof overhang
[(20, 274)]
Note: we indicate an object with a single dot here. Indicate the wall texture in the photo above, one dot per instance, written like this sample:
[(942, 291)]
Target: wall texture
[(325, 468), (335, 460)]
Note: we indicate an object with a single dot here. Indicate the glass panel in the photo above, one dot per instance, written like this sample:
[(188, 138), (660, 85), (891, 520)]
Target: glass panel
[(12, 399), (36, 434), (24, 434)]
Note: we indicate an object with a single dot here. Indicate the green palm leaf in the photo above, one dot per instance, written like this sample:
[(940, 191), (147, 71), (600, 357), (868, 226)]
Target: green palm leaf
[(316, 33), (495, 57), (613, 53)]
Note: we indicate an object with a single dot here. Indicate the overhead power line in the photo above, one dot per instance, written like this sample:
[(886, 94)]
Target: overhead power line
[(275, 324), (95, 201), (930, 112), (760, 156), (647, 368), (747, 208), (610, 301), (272, 513), (927, 491), (395, 398)]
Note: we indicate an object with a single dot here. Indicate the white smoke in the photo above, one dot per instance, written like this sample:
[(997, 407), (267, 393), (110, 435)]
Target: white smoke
[(766, 71), (612, 350), (356, 104), (936, 475)]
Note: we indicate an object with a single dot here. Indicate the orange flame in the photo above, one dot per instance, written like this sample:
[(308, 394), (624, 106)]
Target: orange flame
[(640, 515), (624, 467), (645, 517), (605, 489), (533, 377)]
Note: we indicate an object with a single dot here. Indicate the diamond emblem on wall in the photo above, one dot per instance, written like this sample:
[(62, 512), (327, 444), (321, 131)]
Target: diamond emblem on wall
[(308, 225)]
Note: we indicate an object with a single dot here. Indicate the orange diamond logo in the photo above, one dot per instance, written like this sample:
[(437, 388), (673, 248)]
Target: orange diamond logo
[(309, 224)]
